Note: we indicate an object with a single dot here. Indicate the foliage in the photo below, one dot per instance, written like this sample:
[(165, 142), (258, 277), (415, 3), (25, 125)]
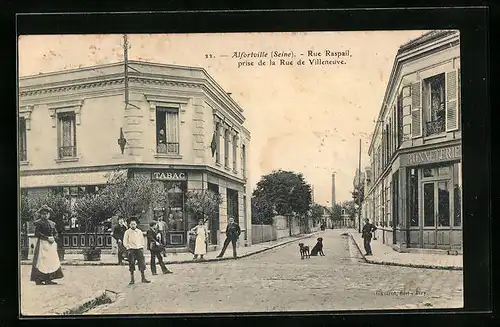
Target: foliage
[(61, 207), (350, 208), (262, 211), (203, 203), (336, 213), (317, 212), (132, 196), (285, 191), (93, 209)]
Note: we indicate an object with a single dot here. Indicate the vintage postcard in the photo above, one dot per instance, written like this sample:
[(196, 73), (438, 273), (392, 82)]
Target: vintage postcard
[(239, 172)]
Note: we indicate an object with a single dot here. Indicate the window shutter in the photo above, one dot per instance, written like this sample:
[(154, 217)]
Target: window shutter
[(451, 101), (416, 110), (459, 88)]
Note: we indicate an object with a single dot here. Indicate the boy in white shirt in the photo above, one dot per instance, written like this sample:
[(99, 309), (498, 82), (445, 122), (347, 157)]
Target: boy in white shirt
[(133, 240)]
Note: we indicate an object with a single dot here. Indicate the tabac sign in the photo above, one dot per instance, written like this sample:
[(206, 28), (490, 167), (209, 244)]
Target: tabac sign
[(432, 156), (169, 176)]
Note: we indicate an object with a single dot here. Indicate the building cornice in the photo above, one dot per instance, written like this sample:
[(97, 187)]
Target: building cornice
[(111, 74), (440, 41), (86, 169)]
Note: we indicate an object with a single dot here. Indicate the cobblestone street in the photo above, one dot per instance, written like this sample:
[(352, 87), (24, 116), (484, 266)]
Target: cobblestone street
[(278, 280)]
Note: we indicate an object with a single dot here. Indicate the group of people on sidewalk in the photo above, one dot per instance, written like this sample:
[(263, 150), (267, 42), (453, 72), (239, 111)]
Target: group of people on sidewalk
[(46, 265), (131, 244)]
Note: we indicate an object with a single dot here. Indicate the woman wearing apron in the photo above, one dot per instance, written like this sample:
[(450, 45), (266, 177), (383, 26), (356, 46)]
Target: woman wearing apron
[(46, 265), (200, 247)]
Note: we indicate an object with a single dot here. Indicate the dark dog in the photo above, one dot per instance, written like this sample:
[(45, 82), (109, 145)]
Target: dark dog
[(318, 248), (304, 251)]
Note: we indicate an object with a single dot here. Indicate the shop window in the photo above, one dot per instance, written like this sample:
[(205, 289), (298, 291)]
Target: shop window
[(22, 140), (175, 206), (67, 135), (413, 197), (457, 195), (443, 204), (434, 104), (429, 172), (428, 202), (167, 130)]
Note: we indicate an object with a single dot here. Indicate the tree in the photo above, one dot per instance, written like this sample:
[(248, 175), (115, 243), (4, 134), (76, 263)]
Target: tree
[(336, 213), (285, 191), (133, 196), (262, 211), (204, 204), (92, 210), (317, 212), (350, 208)]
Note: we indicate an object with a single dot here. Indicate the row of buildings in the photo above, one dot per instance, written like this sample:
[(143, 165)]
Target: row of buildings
[(169, 123), (413, 186)]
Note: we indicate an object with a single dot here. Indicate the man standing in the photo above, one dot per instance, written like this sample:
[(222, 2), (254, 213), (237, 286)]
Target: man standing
[(155, 248), (233, 232), (367, 231), (162, 229), (133, 240), (46, 265), (118, 233)]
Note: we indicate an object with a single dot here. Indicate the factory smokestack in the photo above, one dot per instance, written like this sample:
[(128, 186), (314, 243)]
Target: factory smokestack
[(333, 190)]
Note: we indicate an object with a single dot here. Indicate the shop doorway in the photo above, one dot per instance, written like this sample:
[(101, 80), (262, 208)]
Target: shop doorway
[(436, 204), (214, 221)]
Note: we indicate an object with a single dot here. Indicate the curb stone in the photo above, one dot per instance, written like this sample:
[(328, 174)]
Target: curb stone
[(356, 245), (175, 262), (385, 263)]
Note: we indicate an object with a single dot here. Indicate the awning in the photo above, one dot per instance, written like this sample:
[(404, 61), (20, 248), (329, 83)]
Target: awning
[(67, 179)]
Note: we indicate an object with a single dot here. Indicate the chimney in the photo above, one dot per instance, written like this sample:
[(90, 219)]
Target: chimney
[(333, 190)]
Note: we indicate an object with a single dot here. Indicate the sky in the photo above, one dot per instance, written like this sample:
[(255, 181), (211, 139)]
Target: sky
[(304, 118)]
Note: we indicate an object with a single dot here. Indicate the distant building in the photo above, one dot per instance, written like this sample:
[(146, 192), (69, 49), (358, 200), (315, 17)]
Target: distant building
[(70, 121), (414, 192)]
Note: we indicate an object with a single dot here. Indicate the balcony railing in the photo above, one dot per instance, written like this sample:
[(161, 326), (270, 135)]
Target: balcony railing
[(67, 151), (434, 127), (80, 240), (168, 148)]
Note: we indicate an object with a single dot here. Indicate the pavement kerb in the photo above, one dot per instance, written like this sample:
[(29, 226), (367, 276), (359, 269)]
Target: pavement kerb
[(357, 247), (386, 263), (176, 262)]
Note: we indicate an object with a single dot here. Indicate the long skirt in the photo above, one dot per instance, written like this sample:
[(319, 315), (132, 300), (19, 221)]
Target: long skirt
[(200, 247), (46, 265)]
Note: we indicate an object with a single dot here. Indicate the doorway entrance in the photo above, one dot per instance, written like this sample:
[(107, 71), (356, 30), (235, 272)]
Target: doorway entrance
[(436, 206)]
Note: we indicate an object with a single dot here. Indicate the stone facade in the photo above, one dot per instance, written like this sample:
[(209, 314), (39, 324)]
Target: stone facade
[(94, 99)]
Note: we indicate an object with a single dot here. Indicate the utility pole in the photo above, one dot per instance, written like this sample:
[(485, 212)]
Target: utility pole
[(359, 187)]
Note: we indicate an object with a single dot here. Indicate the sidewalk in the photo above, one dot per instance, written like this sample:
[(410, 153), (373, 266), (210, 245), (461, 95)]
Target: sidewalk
[(179, 258), (383, 254), (84, 291)]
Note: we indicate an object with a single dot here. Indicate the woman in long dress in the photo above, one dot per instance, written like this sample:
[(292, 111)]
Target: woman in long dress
[(46, 265), (200, 247)]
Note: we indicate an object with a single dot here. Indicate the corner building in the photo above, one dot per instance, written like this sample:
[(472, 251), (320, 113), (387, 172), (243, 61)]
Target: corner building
[(70, 122), (415, 184)]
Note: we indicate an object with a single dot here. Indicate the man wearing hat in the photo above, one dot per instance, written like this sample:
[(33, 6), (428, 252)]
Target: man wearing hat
[(46, 265), (367, 231), (133, 240), (118, 233)]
